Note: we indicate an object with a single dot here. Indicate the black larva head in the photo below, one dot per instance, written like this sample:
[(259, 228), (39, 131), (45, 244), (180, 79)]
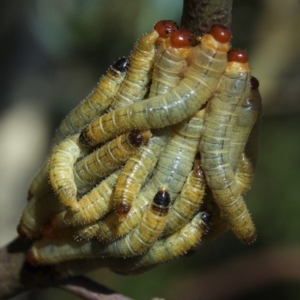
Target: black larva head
[(162, 198), (206, 217), (121, 64)]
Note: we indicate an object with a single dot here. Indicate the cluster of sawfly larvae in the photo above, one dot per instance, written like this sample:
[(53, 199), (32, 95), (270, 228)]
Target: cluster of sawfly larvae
[(153, 162)]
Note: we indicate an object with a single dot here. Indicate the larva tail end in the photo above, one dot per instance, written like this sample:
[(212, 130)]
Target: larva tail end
[(220, 33), (248, 239), (237, 55), (165, 28), (122, 209), (254, 83)]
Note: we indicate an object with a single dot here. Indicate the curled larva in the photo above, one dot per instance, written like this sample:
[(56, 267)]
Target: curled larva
[(47, 251), (136, 81), (170, 62), (162, 250), (245, 121), (61, 166), (90, 108), (220, 118), (188, 202), (93, 167), (201, 79), (135, 172)]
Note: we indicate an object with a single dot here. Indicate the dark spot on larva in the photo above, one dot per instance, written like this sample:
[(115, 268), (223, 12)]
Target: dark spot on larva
[(121, 64), (206, 217), (254, 83), (83, 137), (161, 202), (136, 138)]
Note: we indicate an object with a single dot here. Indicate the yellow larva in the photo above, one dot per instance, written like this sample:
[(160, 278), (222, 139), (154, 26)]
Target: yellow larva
[(136, 81), (136, 242), (188, 202), (135, 172), (162, 250), (61, 166), (221, 115), (201, 79), (106, 159), (244, 174), (93, 106)]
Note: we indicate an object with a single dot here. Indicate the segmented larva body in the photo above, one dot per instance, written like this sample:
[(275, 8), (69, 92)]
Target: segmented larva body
[(91, 207), (245, 122), (61, 166), (137, 79), (37, 212), (90, 108), (221, 116), (188, 202), (93, 167), (47, 251), (244, 174), (135, 172), (171, 171), (170, 62), (201, 79)]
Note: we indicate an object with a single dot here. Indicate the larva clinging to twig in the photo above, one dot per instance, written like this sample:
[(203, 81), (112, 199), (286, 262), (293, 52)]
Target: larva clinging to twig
[(201, 79), (221, 116), (93, 167)]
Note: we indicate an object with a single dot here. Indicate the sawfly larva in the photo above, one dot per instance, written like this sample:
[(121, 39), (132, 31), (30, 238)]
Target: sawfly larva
[(93, 167), (90, 108), (47, 251), (197, 86), (220, 118), (188, 202), (61, 165), (137, 79)]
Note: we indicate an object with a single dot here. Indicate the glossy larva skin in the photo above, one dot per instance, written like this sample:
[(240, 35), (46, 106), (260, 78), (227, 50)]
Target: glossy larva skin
[(135, 172), (221, 117), (61, 174), (245, 122), (198, 85), (137, 79), (101, 162), (93, 106), (188, 202), (141, 238)]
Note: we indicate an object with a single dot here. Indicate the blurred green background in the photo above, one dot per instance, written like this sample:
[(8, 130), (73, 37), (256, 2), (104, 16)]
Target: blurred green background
[(52, 55)]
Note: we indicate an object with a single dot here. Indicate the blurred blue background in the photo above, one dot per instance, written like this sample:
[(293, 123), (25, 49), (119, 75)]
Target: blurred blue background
[(52, 55)]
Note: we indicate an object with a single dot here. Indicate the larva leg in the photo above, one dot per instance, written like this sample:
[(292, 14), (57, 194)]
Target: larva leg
[(90, 108), (109, 157), (201, 79), (135, 172), (136, 242), (61, 174), (188, 202), (221, 116), (136, 81), (246, 119)]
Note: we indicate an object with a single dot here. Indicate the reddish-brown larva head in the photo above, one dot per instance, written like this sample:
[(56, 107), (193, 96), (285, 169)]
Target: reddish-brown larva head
[(254, 83), (181, 38), (165, 28), (237, 55), (220, 33)]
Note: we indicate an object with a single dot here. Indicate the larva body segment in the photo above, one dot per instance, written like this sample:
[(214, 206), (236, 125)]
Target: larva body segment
[(188, 202), (201, 79), (108, 158), (136, 81), (61, 166), (90, 108), (221, 116), (135, 172), (136, 242), (244, 174)]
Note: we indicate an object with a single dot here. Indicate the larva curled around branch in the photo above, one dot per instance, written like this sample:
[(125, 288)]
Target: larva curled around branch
[(201, 79), (61, 165), (47, 251), (137, 79), (221, 116), (90, 108), (93, 167)]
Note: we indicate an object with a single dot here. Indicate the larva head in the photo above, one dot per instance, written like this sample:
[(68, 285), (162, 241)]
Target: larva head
[(161, 202), (218, 38), (138, 137), (165, 28), (254, 83), (205, 220), (181, 38), (237, 61), (121, 65)]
